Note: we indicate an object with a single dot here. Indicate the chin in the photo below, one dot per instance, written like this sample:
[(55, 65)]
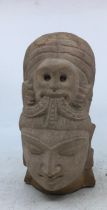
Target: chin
[(53, 186)]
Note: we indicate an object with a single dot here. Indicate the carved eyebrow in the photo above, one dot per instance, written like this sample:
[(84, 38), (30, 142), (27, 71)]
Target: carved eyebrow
[(41, 68), (46, 66), (33, 140), (66, 141)]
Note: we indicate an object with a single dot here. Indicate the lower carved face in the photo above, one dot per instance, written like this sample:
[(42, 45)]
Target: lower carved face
[(55, 159), (55, 78)]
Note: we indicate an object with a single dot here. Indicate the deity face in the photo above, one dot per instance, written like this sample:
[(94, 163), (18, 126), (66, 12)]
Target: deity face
[(56, 78), (55, 159)]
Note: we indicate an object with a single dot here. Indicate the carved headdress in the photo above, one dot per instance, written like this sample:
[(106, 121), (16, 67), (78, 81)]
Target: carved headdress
[(75, 50), (61, 45)]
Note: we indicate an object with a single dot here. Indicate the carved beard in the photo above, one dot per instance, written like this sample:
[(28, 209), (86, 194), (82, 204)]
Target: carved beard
[(52, 107)]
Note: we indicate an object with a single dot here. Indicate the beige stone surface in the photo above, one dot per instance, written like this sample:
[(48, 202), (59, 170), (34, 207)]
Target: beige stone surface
[(59, 73)]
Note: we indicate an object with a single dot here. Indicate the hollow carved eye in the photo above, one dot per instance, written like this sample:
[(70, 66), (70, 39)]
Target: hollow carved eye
[(63, 77), (47, 77)]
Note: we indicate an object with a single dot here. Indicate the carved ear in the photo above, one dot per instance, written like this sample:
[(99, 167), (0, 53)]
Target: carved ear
[(28, 93), (84, 95), (27, 86), (89, 162), (85, 92)]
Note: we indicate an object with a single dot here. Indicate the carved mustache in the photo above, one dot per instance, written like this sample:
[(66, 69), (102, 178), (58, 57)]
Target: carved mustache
[(37, 109), (54, 93), (69, 111), (60, 105)]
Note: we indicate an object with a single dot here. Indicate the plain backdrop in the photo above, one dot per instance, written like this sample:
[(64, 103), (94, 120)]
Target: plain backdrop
[(21, 22)]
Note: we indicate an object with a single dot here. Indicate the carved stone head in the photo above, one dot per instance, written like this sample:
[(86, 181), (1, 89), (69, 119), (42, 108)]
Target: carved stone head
[(59, 71)]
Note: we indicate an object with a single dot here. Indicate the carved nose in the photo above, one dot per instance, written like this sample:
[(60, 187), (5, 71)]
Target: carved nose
[(51, 171), (54, 86), (56, 172)]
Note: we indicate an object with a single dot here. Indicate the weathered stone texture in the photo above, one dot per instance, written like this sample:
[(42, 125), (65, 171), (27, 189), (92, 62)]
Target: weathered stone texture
[(59, 73)]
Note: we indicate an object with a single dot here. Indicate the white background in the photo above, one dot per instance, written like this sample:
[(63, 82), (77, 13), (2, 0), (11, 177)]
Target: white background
[(21, 22)]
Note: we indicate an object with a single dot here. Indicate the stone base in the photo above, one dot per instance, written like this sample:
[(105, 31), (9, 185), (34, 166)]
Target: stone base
[(86, 180)]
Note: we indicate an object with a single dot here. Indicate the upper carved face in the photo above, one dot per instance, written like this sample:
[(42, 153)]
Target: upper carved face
[(55, 159), (55, 78)]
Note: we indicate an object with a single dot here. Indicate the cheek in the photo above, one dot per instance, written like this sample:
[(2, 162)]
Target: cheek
[(73, 165), (26, 155), (34, 165), (39, 84), (67, 162), (32, 161), (68, 84)]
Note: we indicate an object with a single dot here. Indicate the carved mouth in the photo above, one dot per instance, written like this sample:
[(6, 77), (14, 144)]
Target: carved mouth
[(54, 181), (51, 180), (51, 185), (55, 95)]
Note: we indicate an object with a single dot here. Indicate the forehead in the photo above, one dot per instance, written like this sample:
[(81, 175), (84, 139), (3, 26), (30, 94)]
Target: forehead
[(53, 137), (56, 64)]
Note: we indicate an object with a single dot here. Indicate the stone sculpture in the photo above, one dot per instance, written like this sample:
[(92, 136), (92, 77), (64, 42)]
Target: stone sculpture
[(59, 73)]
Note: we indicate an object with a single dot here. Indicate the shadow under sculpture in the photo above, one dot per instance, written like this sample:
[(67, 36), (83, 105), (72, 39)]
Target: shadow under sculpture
[(59, 73)]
